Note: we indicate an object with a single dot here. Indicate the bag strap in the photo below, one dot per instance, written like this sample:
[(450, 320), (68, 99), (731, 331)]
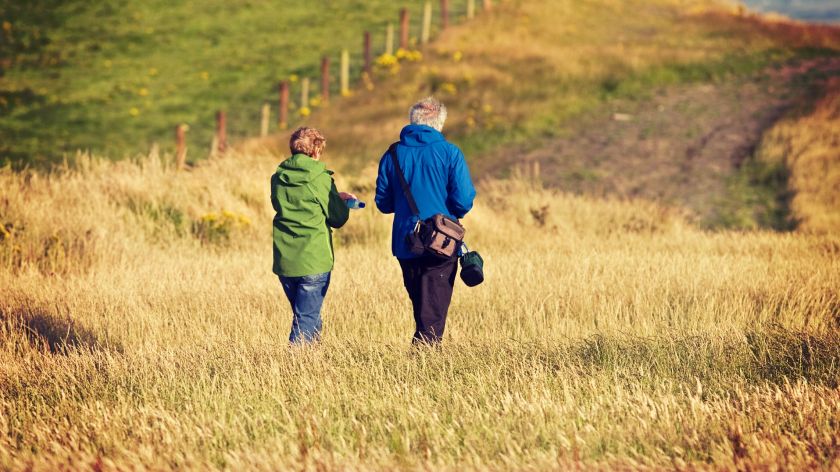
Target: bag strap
[(392, 150)]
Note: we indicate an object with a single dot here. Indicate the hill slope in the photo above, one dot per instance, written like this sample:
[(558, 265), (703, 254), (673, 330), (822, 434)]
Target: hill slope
[(551, 76), (141, 328), (114, 76)]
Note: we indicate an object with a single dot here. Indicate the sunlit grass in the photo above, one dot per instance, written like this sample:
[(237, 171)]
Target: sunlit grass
[(141, 327), (613, 333), (806, 146), (115, 77)]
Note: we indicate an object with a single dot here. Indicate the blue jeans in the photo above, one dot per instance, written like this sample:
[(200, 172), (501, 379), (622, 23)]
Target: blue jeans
[(306, 295)]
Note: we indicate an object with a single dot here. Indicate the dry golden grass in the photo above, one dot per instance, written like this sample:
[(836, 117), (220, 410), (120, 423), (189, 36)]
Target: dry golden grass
[(808, 146), (141, 327), (618, 336)]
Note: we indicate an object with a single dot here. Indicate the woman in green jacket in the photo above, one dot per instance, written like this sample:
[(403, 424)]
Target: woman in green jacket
[(307, 206)]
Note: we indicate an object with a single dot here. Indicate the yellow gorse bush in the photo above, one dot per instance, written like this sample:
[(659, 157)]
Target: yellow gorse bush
[(408, 55), (219, 227)]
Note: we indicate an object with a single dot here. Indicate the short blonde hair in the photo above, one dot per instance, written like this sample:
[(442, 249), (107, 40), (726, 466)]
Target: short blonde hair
[(307, 141)]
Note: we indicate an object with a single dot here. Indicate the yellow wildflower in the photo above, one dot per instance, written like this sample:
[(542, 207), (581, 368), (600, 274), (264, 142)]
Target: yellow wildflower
[(293, 78), (134, 111), (457, 56), (387, 60), (448, 87), (469, 79), (305, 111), (205, 75), (143, 92), (408, 55)]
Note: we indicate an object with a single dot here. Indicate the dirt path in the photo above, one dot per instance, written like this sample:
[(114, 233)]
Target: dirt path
[(680, 147)]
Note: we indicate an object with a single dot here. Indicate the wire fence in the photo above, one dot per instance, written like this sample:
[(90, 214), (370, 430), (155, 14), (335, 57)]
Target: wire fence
[(337, 75)]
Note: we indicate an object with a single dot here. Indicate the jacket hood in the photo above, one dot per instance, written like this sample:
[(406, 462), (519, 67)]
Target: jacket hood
[(419, 135), (300, 169)]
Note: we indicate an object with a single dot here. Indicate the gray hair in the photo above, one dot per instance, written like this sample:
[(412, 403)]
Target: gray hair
[(429, 112)]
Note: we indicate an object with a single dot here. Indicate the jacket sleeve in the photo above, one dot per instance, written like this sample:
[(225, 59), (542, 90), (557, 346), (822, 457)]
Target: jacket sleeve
[(460, 189), (337, 210), (385, 186), (274, 202)]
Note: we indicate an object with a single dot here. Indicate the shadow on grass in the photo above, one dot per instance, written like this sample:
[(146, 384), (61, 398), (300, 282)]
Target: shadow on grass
[(53, 333), (772, 355)]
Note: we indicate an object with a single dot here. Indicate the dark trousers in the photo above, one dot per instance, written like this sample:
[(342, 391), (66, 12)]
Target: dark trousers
[(429, 281)]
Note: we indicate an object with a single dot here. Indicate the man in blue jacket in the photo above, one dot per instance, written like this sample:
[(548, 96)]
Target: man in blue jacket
[(440, 182)]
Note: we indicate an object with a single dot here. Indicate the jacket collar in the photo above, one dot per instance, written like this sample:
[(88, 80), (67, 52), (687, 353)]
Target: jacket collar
[(420, 135)]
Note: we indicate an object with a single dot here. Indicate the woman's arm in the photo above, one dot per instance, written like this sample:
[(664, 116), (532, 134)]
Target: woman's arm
[(337, 210)]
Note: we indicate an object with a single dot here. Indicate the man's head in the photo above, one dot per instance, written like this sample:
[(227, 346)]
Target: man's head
[(307, 141), (429, 112)]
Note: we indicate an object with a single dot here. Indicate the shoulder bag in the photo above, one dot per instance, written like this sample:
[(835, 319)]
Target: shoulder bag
[(438, 235)]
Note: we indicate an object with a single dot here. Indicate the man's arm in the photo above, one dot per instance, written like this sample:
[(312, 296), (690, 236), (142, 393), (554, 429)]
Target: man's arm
[(460, 187), (384, 186), (337, 210)]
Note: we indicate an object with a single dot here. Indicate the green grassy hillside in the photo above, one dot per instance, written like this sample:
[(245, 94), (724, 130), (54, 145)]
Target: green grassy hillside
[(698, 82), (114, 76)]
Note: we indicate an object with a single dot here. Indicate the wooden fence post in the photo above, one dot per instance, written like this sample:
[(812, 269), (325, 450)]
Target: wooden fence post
[(221, 131), (265, 116), (389, 39), (345, 73), (404, 28), (368, 56), (427, 22), (470, 9), (304, 93), (444, 14), (325, 80), (283, 112), (180, 146)]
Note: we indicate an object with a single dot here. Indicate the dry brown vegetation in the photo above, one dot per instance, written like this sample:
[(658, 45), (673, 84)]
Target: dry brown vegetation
[(618, 335), (141, 328), (808, 146)]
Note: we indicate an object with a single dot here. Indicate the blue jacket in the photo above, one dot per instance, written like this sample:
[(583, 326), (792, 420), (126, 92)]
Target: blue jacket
[(438, 176)]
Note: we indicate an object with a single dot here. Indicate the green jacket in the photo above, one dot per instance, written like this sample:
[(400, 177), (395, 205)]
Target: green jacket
[(308, 206)]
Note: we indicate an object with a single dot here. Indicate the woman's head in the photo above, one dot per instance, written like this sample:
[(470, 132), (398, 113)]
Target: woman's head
[(307, 141), (429, 112)]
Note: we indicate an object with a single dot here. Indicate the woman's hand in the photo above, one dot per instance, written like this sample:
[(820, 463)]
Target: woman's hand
[(347, 196)]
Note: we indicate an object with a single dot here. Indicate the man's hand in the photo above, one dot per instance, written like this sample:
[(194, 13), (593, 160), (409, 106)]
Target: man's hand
[(347, 196)]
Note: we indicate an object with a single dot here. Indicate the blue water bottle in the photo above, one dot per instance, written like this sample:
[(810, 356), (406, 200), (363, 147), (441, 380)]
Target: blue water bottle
[(354, 204)]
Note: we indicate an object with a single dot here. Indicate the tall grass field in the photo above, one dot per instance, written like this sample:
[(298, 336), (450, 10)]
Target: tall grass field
[(609, 335), (141, 327)]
